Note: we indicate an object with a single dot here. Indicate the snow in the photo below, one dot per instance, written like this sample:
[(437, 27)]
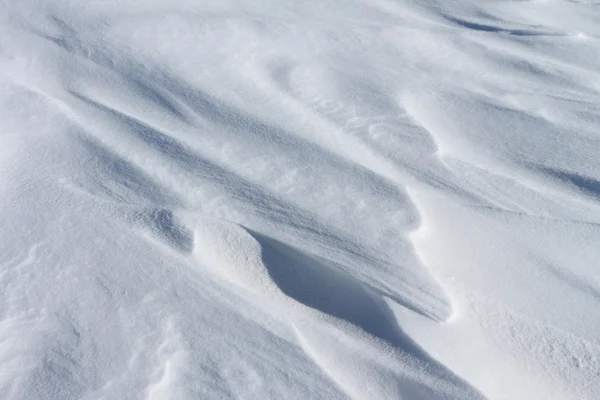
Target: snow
[(386, 199)]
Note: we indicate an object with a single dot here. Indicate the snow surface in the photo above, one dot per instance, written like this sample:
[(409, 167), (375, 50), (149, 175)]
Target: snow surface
[(311, 199)]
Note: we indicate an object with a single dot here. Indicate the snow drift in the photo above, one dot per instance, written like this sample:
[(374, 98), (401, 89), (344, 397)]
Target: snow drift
[(299, 199)]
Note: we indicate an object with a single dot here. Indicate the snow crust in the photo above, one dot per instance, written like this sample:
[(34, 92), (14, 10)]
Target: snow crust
[(315, 199)]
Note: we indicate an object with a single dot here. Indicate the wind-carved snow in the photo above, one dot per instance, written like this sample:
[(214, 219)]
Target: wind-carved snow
[(366, 200), (322, 303)]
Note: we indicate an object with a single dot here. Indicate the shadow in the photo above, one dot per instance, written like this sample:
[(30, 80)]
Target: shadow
[(496, 29), (171, 231), (321, 285), (575, 282), (118, 178), (587, 185)]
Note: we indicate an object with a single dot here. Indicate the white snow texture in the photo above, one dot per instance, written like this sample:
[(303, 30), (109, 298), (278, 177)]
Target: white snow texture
[(299, 199)]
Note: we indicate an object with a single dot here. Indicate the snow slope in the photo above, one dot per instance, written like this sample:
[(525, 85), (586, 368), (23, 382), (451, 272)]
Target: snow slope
[(314, 199)]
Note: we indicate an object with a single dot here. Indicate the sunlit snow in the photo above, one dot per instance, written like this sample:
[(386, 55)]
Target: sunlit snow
[(313, 199)]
